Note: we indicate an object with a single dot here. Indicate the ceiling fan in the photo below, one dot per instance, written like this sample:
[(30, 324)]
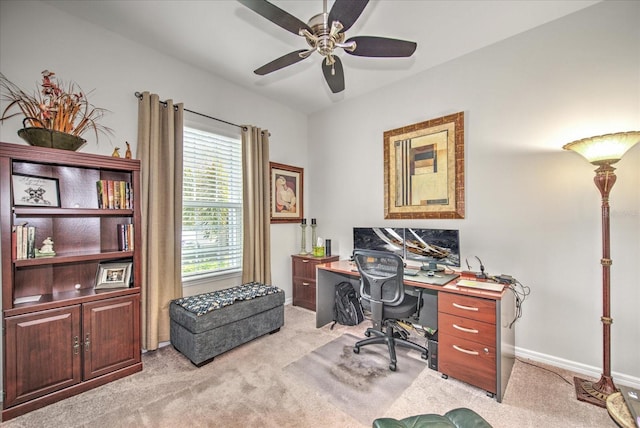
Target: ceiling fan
[(324, 33)]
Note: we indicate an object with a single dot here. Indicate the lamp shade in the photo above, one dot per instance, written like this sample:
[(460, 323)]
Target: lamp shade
[(604, 149)]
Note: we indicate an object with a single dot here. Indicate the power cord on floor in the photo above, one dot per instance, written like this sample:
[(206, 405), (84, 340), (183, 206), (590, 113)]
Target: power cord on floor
[(546, 369)]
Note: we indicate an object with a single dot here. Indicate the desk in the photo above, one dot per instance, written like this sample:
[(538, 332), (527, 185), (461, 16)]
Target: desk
[(476, 343)]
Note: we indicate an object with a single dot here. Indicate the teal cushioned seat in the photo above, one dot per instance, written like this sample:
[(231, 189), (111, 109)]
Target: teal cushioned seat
[(456, 418)]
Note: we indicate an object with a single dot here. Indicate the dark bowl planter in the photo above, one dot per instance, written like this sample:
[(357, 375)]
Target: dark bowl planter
[(43, 137)]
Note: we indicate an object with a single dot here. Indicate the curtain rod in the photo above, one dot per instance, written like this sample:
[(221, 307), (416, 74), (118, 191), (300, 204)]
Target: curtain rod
[(244, 128)]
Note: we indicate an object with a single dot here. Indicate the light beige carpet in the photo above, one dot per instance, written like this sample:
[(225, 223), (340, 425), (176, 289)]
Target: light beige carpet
[(249, 387)]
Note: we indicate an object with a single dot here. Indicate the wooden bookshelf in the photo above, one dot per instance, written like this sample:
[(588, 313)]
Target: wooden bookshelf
[(70, 337)]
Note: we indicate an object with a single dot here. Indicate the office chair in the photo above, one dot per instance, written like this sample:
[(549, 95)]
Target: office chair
[(382, 287)]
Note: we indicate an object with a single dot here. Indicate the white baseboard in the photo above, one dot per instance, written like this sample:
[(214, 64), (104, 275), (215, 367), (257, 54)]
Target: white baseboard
[(583, 369)]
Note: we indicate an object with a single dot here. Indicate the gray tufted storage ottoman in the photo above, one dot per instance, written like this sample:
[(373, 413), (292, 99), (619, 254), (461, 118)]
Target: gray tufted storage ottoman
[(209, 324)]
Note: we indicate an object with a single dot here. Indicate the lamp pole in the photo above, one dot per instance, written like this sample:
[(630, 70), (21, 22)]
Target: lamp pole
[(597, 393), (603, 151)]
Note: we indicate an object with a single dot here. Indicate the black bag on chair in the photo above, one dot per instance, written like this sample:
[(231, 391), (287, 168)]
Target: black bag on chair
[(347, 309)]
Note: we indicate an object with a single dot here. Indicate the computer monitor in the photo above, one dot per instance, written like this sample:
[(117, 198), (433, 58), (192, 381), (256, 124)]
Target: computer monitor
[(433, 247), (380, 239), (430, 247)]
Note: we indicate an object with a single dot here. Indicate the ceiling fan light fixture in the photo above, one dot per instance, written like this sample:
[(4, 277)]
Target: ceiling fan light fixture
[(350, 46), (305, 54), (325, 38), (330, 60), (336, 27)]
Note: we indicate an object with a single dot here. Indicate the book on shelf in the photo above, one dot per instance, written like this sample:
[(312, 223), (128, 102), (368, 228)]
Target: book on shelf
[(14, 242), (114, 194), (110, 195), (123, 195), (23, 239), (125, 237), (127, 196), (31, 242)]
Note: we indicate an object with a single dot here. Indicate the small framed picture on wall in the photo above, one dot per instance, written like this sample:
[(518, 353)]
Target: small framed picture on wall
[(286, 193)]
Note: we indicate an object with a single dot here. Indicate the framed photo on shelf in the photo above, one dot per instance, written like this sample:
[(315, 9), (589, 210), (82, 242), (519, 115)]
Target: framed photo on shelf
[(286, 193), (113, 275), (34, 191)]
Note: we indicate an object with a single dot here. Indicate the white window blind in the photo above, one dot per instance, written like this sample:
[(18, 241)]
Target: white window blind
[(212, 204)]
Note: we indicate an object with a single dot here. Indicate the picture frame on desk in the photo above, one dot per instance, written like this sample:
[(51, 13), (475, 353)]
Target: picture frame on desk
[(286, 202), (113, 275), (35, 191), (424, 170)]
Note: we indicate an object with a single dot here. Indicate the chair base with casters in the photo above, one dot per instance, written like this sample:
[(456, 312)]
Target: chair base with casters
[(390, 332), (382, 290), (394, 335)]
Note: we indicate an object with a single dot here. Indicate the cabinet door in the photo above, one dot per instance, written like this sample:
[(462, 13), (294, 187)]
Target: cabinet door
[(42, 352), (111, 335)]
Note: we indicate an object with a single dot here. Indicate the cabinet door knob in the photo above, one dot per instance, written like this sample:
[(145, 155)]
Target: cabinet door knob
[(76, 345), (87, 343)]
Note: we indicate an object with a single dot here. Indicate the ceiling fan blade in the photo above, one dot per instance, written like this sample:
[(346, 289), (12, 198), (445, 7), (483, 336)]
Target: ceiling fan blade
[(276, 15), (347, 12), (334, 75), (381, 47), (283, 61)]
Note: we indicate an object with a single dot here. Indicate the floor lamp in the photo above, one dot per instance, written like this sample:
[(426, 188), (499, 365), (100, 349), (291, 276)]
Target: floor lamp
[(603, 151)]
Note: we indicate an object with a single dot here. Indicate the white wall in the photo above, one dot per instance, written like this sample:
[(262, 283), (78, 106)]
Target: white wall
[(532, 210), (35, 36)]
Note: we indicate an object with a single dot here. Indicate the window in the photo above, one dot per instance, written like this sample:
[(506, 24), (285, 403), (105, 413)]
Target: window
[(212, 204)]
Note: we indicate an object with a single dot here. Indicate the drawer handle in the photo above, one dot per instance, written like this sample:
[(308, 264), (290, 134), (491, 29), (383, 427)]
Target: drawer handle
[(466, 351), (466, 330), (305, 261), (305, 283), (466, 308)]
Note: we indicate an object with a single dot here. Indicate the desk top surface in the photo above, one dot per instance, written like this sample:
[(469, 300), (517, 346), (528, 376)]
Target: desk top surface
[(346, 267)]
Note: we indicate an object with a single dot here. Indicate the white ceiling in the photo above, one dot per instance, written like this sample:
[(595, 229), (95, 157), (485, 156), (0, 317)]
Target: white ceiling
[(226, 39)]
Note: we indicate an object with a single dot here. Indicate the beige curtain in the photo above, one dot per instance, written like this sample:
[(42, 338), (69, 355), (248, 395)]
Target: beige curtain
[(160, 127), (256, 251)]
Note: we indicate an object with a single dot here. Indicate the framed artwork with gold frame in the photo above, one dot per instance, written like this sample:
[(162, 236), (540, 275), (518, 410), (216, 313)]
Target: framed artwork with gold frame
[(424, 170), (286, 193)]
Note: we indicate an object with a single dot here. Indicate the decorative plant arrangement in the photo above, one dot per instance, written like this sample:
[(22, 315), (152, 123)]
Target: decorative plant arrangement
[(57, 107)]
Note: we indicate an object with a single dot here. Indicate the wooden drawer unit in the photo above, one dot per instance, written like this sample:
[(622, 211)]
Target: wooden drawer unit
[(467, 340), (303, 269)]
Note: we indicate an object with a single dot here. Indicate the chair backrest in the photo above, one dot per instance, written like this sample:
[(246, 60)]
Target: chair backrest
[(382, 275)]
